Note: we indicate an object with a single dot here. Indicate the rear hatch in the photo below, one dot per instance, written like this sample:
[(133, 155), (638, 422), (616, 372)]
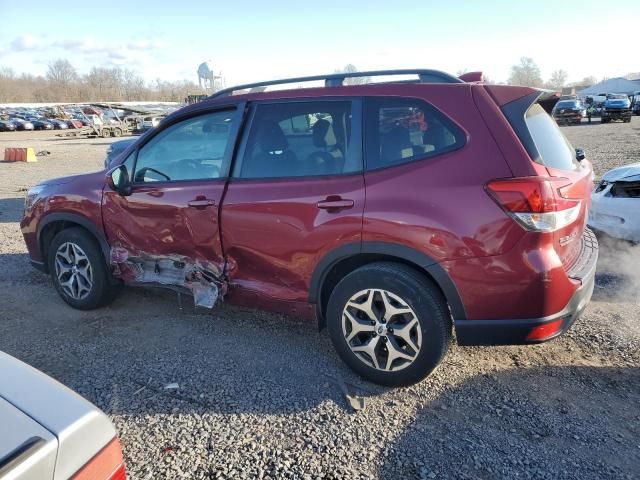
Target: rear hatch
[(560, 158), (551, 192)]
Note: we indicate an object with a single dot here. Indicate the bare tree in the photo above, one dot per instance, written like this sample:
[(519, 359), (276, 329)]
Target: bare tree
[(351, 68), (558, 79), (526, 73), (63, 84), (63, 78)]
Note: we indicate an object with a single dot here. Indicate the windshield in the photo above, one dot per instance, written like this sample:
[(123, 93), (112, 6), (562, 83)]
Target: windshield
[(567, 104), (617, 95)]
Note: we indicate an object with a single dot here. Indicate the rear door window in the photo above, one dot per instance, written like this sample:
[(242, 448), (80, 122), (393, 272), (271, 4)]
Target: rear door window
[(553, 147), (300, 139), (401, 130)]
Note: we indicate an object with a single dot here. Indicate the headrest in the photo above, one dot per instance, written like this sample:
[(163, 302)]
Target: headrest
[(271, 138), (323, 134), (398, 136)]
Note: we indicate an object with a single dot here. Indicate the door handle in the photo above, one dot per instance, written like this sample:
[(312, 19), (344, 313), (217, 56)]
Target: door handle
[(335, 203), (201, 203)]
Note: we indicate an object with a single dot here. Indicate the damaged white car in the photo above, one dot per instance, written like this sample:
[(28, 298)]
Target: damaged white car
[(615, 203)]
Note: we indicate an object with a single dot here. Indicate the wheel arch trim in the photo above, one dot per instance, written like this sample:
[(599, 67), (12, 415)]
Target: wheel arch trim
[(80, 221), (419, 259)]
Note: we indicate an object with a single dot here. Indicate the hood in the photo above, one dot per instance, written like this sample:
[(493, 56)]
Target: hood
[(630, 173), (69, 179)]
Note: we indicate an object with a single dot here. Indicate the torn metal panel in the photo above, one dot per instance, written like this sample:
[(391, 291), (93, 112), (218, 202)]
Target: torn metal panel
[(203, 279)]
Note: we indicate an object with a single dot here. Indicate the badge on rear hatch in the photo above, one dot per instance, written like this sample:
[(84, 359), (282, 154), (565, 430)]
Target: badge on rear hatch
[(567, 239)]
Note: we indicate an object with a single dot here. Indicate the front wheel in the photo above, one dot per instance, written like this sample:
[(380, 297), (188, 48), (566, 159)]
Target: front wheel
[(389, 323), (78, 270)]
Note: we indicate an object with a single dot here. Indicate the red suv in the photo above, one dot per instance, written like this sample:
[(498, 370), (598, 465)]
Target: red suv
[(392, 213)]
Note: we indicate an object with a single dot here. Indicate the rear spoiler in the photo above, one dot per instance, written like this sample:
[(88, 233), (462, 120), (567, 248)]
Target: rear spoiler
[(472, 77), (548, 99)]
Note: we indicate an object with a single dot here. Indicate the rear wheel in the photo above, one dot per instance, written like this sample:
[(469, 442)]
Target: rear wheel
[(389, 323), (78, 270), (106, 133), (117, 132)]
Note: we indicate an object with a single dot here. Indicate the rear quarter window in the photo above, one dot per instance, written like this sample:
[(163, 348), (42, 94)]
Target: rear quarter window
[(554, 149), (402, 130)]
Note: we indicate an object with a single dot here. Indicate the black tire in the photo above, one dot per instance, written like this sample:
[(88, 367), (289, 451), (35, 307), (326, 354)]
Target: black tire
[(420, 294), (106, 133), (117, 132), (102, 291)]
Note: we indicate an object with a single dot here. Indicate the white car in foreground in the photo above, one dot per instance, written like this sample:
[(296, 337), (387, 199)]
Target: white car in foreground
[(615, 203), (48, 432)]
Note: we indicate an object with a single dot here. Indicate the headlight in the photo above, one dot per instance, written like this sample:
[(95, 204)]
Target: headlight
[(32, 195)]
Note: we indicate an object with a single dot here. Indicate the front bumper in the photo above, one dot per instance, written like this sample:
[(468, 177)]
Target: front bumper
[(537, 330)]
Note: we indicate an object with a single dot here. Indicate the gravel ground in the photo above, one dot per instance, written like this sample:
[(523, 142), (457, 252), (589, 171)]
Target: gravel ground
[(259, 395)]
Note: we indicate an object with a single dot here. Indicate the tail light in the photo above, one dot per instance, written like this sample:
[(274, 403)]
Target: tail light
[(106, 465), (536, 203)]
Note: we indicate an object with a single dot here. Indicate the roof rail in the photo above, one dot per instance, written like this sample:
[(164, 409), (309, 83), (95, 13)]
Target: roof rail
[(337, 79)]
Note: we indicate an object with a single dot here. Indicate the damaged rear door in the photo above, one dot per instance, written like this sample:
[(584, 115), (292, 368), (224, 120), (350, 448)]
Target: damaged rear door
[(296, 193), (167, 231)]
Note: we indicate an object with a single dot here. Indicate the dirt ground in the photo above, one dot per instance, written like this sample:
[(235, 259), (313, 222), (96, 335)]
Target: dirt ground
[(259, 394)]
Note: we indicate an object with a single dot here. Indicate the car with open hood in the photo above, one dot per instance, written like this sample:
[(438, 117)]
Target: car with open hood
[(615, 203)]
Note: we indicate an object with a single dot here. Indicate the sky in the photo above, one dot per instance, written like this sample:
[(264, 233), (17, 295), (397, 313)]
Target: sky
[(252, 40)]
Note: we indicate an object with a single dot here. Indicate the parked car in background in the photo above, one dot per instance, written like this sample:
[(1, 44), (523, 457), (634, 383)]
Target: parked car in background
[(617, 106), (59, 124), (474, 218), (49, 432), (42, 125), (636, 103), (7, 126), (570, 111), (150, 122), (116, 148), (615, 203), (21, 124), (74, 124)]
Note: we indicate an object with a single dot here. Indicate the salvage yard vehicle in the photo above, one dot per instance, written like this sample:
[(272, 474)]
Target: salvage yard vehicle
[(50, 432), (21, 124), (617, 106), (258, 196), (7, 126), (58, 124), (115, 149), (615, 204), (567, 112), (41, 124)]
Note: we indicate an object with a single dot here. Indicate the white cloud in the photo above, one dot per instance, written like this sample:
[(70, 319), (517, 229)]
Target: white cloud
[(25, 42)]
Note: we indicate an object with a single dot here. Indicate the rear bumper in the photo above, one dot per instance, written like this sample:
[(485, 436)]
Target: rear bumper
[(537, 330), (616, 114)]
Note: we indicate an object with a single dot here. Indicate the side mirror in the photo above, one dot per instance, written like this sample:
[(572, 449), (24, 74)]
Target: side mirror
[(580, 154), (118, 180)]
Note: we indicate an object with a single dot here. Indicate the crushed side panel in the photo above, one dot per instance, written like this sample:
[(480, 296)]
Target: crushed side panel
[(204, 280)]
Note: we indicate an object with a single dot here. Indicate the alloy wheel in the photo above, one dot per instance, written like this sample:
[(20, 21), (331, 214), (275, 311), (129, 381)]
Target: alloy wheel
[(381, 329), (73, 271)]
